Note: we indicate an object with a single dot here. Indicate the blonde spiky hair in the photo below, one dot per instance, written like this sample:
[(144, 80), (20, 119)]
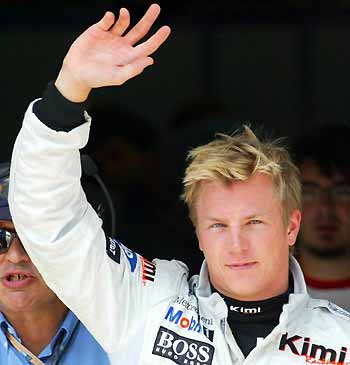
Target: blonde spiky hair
[(236, 157)]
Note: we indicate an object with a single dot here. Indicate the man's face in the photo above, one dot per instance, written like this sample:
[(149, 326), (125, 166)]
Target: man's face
[(21, 286), (325, 230), (245, 243)]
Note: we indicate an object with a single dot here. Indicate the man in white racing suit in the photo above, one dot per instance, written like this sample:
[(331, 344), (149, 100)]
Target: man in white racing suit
[(249, 303)]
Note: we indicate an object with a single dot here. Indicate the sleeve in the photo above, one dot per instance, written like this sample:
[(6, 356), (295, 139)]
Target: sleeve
[(109, 287)]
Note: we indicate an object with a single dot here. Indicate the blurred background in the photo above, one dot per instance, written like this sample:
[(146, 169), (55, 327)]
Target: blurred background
[(282, 67)]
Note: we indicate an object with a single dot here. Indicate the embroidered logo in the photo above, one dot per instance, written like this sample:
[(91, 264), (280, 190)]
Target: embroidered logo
[(182, 350)]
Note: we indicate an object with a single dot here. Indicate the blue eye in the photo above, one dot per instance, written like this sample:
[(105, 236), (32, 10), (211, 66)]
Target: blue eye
[(255, 221), (217, 225)]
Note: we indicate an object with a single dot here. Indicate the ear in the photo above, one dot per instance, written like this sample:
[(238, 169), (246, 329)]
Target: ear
[(293, 227)]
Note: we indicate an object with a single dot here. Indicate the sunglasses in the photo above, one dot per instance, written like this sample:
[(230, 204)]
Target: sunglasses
[(6, 238)]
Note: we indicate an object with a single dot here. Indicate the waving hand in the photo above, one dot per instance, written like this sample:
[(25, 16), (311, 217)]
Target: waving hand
[(108, 54)]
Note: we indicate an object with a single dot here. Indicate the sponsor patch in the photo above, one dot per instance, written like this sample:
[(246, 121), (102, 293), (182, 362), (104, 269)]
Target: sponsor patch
[(182, 350), (177, 317), (131, 256), (113, 249), (244, 310), (191, 323), (148, 271), (186, 304), (304, 346)]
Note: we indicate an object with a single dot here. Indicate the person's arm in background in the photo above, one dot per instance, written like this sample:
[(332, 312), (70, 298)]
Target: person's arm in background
[(59, 229)]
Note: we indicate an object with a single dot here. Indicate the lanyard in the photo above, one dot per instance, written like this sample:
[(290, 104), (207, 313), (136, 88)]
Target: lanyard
[(34, 360), (19, 347)]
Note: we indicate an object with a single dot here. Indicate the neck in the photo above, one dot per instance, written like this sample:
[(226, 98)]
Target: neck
[(265, 300), (323, 268), (37, 328)]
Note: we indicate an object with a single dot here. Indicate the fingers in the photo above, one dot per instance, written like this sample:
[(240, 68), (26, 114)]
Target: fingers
[(132, 69), (107, 21), (144, 25), (122, 23), (154, 42)]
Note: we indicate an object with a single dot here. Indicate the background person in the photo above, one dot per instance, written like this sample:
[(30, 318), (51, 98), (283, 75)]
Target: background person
[(323, 248), (31, 315)]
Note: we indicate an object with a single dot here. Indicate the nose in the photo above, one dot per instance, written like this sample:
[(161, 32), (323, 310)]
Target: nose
[(16, 253), (327, 203), (236, 240)]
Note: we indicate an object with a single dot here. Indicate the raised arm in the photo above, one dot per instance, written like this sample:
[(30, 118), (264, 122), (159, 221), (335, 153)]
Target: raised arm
[(99, 279)]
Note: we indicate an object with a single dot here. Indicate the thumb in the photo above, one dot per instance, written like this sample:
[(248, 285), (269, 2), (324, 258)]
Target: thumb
[(107, 21)]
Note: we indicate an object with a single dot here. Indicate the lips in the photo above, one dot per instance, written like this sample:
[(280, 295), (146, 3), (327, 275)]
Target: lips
[(16, 280), (327, 231), (240, 266)]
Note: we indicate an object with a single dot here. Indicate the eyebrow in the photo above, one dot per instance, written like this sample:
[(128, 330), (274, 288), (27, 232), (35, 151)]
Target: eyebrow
[(251, 216)]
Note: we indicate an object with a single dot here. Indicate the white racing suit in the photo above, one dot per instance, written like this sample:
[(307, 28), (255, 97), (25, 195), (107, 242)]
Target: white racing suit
[(143, 312)]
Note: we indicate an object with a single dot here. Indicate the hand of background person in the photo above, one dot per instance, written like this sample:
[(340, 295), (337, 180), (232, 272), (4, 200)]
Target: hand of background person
[(106, 54)]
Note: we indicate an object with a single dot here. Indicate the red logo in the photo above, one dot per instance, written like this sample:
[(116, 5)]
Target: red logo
[(148, 270), (314, 353)]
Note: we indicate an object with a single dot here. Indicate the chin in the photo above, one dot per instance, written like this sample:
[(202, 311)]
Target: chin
[(244, 295), (240, 287), (19, 302), (243, 289), (242, 279)]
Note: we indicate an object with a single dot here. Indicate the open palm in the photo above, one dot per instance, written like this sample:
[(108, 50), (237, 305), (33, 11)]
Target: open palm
[(104, 56)]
